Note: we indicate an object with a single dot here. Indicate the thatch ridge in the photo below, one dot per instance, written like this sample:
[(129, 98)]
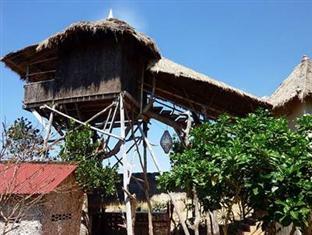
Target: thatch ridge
[(115, 26), (167, 66), (298, 85), (18, 60)]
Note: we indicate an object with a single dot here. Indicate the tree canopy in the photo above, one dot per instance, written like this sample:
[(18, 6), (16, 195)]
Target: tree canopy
[(21, 141), (92, 175), (255, 161)]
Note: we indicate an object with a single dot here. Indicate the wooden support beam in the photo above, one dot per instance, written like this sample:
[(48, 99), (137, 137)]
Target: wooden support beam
[(213, 111), (45, 143), (112, 123), (100, 113), (78, 111), (185, 229), (80, 122), (107, 119), (126, 173), (43, 60), (163, 119), (39, 118), (40, 73)]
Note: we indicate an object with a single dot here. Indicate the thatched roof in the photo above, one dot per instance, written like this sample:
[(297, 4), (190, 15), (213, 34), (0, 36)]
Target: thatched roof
[(298, 85), (113, 26), (76, 32), (180, 73)]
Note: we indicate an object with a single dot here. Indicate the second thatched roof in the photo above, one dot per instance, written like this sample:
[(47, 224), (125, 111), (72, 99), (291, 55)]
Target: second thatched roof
[(211, 88), (298, 85)]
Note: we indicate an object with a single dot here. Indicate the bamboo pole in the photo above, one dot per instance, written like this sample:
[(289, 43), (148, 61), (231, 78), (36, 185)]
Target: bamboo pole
[(149, 147), (112, 123), (146, 184), (45, 143), (146, 187), (80, 122), (100, 113), (129, 224)]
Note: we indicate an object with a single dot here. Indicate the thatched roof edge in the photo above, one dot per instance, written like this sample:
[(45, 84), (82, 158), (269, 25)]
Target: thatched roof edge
[(169, 67), (298, 85), (8, 59)]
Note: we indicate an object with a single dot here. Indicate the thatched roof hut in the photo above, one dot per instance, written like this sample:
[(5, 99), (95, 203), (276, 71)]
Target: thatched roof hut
[(297, 88), (111, 50), (78, 33)]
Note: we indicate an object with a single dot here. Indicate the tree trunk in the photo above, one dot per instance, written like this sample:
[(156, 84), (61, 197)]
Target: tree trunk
[(183, 224), (308, 230), (208, 224), (197, 212), (214, 224), (293, 230)]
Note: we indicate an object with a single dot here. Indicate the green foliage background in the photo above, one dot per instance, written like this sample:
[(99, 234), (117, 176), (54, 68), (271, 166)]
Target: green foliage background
[(21, 141), (80, 148), (257, 161)]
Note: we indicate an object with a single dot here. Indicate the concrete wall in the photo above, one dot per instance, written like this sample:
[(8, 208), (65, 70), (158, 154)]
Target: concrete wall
[(29, 224), (62, 210)]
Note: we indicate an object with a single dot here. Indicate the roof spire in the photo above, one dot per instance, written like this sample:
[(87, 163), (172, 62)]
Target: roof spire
[(110, 14), (305, 58)]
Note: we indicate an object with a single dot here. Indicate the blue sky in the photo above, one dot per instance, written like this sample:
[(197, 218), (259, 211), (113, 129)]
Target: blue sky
[(251, 45)]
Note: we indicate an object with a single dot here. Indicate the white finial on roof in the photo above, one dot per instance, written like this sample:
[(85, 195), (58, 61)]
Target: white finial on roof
[(305, 58), (110, 14)]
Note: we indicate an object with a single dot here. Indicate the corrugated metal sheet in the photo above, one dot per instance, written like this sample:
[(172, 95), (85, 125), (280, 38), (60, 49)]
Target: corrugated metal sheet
[(32, 178)]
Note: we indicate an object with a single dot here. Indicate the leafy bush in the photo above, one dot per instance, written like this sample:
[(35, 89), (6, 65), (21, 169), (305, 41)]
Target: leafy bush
[(256, 161), (80, 148)]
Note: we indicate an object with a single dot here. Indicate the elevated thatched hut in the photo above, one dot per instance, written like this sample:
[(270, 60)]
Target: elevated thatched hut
[(88, 61), (82, 68)]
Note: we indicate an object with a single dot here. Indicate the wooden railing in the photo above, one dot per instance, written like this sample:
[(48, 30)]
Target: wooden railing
[(36, 92), (53, 90)]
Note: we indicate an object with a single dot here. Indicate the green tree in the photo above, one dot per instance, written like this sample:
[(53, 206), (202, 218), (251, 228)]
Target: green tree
[(92, 175), (21, 141), (255, 161)]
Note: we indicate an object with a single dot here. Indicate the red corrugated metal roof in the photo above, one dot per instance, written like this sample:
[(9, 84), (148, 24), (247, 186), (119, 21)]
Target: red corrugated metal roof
[(32, 178)]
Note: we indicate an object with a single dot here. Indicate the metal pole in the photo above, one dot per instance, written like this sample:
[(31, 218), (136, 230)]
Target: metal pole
[(126, 176)]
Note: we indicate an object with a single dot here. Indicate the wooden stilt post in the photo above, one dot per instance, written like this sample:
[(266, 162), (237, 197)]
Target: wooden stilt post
[(146, 184), (149, 147), (126, 176), (46, 139)]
